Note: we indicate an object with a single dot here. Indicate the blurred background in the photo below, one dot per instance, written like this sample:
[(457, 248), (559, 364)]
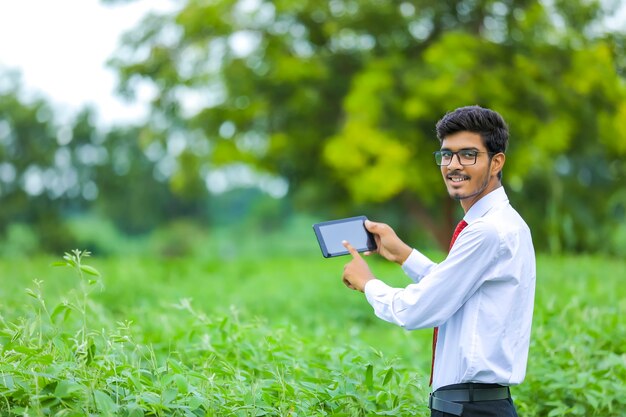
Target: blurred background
[(254, 117)]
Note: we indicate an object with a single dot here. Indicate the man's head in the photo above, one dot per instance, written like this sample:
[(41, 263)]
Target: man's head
[(487, 123), (473, 142)]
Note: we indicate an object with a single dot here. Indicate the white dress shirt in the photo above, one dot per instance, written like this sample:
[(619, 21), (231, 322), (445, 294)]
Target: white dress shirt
[(481, 297)]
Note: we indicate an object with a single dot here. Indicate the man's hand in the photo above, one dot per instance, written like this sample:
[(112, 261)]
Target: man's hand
[(356, 273), (389, 244)]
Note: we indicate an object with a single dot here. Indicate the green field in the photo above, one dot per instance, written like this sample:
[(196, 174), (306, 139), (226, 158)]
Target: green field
[(263, 326)]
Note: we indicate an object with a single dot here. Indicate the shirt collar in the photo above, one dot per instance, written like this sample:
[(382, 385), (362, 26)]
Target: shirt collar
[(495, 198)]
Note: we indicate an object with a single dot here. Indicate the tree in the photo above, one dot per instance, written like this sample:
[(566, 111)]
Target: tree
[(342, 96), (50, 171), (31, 171)]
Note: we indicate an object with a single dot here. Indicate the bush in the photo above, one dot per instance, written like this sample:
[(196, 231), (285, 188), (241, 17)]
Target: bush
[(20, 241)]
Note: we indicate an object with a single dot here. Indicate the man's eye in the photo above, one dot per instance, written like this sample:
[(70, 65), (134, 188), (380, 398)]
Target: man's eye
[(446, 154), (468, 154)]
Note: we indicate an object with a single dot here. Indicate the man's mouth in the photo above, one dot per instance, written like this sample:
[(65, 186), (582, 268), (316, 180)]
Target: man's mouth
[(458, 178)]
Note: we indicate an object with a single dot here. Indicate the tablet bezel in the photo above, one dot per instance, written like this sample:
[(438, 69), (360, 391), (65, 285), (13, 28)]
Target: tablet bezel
[(371, 242)]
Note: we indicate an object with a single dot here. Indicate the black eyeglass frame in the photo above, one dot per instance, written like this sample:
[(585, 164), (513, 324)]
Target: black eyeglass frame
[(439, 154)]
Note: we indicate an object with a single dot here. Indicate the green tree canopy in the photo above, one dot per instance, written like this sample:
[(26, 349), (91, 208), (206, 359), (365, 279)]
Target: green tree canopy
[(50, 171), (341, 98)]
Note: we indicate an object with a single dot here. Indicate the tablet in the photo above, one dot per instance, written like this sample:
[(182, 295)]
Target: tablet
[(330, 235)]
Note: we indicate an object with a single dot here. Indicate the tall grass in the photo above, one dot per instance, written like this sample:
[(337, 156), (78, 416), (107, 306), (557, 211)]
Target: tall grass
[(265, 327)]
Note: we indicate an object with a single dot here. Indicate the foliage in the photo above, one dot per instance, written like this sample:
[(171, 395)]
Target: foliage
[(28, 165), (335, 101), (342, 97), (20, 240), (198, 365), (266, 335), (578, 349), (99, 235), (52, 171)]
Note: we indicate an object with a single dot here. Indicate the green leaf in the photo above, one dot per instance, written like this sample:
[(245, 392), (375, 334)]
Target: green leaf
[(89, 270), (17, 334), (60, 309), (181, 383), (136, 382), (69, 260), (150, 398), (91, 352), (382, 397), (65, 389), (31, 293), (104, 403), (388, 376), (168, 396), (135, 411), (195, 401), (369, 376), (175, 366)]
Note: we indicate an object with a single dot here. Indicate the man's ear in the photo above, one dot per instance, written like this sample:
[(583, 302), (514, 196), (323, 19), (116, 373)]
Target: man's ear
[(497, 163)]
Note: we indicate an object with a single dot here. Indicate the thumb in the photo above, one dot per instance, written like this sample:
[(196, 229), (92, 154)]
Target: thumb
[(353, 252), (373, 227)]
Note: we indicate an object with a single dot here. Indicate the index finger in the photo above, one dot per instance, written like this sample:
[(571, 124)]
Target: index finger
[(351, 249)]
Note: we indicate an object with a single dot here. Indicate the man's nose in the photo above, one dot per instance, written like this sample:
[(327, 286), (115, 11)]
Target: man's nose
[(455, 163)]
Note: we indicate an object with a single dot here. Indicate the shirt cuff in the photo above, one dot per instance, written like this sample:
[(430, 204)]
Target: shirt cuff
[(374, 288), (417, 265)]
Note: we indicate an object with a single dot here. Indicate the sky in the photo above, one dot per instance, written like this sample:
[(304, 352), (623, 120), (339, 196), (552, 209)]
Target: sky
[(60, 48)]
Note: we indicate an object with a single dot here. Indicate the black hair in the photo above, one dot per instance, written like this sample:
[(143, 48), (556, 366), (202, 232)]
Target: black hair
[(487, 123)]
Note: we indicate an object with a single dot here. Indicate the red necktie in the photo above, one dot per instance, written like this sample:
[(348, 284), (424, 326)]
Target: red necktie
[(457, 231)]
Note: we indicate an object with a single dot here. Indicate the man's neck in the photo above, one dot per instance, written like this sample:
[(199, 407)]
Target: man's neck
[(467, 203)]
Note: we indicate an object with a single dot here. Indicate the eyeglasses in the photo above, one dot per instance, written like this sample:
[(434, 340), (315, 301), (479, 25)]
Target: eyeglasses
[(465, 156)]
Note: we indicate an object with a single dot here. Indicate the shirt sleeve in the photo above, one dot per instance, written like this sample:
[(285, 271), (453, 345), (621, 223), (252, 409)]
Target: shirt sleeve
[(417, 265), (443, 288)]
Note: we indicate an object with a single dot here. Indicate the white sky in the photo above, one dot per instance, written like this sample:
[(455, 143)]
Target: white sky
[(60, 48)]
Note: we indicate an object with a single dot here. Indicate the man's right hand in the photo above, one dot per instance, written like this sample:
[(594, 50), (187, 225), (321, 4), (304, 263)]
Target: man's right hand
[(390, 246)]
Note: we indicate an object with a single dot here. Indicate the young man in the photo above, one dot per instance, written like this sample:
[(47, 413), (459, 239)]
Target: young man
[(480, 298)]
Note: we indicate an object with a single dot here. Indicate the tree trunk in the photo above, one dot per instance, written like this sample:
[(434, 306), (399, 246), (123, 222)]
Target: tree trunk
[(440, 229)]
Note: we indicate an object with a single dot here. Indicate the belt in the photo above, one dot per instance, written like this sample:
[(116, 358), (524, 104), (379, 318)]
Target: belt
[(447, 401)]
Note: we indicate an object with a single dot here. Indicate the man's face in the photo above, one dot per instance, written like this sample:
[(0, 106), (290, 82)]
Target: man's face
[(469, 183)]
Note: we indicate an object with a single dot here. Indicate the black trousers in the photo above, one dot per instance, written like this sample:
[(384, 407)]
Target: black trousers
[(497, 408)]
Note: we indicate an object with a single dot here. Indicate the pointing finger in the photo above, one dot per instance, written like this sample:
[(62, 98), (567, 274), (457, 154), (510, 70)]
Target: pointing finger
[(351, 249)]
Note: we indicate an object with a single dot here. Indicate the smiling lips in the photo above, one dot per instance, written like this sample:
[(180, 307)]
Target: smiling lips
[(457, 178)]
